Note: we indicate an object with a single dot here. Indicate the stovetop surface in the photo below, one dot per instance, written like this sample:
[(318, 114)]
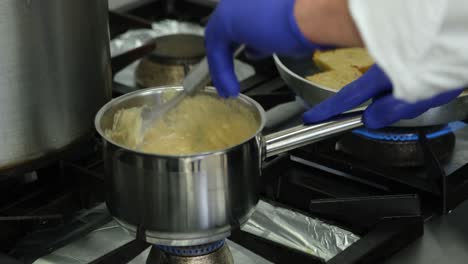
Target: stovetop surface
[(445, 240)]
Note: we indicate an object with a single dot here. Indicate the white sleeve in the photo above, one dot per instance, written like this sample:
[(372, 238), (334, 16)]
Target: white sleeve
[(421, 45)]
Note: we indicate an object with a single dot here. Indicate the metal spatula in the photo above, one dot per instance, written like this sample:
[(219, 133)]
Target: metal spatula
[(196, 79)]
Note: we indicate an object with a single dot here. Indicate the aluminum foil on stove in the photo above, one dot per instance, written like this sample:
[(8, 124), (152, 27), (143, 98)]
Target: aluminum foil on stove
[(298, 231), (136, 38)]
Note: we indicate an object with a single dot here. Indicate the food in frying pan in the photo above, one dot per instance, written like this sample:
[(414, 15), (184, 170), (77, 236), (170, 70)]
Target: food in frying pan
[(340, 66), (200, 124), (343, 58), (335, 79)]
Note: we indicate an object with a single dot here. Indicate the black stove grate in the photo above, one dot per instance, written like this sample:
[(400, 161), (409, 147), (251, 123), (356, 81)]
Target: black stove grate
[(439, 192)]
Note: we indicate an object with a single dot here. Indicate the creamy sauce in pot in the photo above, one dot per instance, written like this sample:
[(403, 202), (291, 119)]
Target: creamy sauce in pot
[(198, 124)]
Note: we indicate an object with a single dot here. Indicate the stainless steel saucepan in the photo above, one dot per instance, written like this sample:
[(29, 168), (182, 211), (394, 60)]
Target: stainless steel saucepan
[(194, 199)]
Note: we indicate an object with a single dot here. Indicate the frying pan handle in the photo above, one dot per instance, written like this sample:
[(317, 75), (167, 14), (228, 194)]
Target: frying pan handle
[(302, 135)]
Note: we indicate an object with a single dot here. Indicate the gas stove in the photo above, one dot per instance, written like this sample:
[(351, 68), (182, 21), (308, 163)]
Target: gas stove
[(364, 206)]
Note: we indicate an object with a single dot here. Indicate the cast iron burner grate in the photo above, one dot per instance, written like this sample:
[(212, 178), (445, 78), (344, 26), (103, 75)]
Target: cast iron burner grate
[(399, 147)]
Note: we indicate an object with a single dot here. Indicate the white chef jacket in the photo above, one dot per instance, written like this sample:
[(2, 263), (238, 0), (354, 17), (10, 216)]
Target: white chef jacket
[(422, 45)]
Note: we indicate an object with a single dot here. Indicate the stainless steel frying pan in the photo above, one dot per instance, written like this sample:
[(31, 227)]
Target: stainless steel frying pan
[(293, 71)]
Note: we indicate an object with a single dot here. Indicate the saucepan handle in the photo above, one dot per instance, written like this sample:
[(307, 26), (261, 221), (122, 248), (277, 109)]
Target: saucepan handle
[(302, 135)]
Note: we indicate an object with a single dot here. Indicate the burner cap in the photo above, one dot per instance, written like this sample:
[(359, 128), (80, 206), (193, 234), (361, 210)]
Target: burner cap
[(178, 49), (220, 254), (192, 251), (404, 135), (398, 147)]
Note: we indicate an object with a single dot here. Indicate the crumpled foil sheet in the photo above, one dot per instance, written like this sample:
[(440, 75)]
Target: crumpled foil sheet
[(135, 38), (298, 231)]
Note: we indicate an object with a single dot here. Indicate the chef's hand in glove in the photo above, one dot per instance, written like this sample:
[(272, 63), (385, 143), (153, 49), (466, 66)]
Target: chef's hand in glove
[(384, 110), (264, 26)]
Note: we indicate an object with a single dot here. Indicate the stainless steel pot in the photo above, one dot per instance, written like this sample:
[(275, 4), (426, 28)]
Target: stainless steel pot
[(193, 199), (54, 74)]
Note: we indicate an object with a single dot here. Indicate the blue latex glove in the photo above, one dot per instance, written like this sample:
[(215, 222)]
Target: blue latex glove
[(384, 110), (264, 26)]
